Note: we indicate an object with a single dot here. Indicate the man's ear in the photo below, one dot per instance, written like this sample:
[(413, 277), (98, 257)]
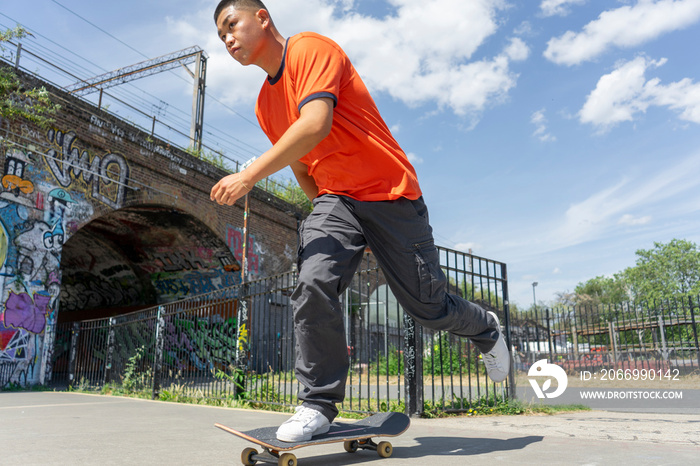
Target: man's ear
[(263, 16)]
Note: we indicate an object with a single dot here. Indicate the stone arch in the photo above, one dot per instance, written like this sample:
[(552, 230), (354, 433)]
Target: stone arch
[(140, 256)]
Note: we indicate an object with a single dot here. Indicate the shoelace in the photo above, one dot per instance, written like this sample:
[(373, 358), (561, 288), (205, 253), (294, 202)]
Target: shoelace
[(492, 362), (304, 415)]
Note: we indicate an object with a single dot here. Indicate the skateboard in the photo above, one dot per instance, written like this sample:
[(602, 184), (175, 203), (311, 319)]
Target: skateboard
[(355, 436)]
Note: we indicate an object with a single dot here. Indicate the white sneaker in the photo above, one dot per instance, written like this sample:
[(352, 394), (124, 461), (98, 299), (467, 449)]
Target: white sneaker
[(305, 423), (497, 360)]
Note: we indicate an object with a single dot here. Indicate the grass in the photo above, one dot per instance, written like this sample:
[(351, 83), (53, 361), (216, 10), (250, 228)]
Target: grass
[(361, 408)]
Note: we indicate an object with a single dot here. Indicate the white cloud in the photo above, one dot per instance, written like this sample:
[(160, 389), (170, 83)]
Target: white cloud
[(517, 50), (631, 220), (624, 27), (558, 7), (540, 121), (624, 93), (467, 247), (607, 209), (414, 159), (523, 29), (415, 54)]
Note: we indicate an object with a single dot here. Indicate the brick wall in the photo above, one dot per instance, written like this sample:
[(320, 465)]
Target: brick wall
[(97, 217)]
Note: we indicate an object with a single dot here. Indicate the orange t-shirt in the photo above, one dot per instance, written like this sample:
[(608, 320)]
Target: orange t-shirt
[(359, 158)]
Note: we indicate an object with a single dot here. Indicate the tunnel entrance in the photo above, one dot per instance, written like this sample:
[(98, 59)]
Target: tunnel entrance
[(140, 257)]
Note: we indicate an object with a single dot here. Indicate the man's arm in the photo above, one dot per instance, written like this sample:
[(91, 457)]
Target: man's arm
[(306, 182), (313, 125)]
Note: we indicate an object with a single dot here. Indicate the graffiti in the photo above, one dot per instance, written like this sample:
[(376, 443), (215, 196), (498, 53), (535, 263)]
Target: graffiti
[(201, 343), (177, 261), (68, 165), (243, 338), (39, 251), (193, 283), (59, 202), (14, 182), (4, 243), (30, 133), (234, 240), (17, 355), (23, 312), (85, 291), (148, 145)]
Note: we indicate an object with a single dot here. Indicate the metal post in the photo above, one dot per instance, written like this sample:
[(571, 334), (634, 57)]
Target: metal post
[(506, 321), (49, 348), (413, 367), (537, 323), (198, 101), (73, 354), (19, 53), (613, 346), (242, 322), (110, 352), (695, 329), (664, 348), (549, 339), (158, 358)]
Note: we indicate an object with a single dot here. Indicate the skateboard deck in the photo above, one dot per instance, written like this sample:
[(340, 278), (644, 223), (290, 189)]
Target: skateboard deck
[(355, 436)]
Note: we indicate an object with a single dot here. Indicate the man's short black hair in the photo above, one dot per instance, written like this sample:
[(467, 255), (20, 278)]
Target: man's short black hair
[(247, 4)]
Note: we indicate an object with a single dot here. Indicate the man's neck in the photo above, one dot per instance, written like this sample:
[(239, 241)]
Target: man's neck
[(272, 61)]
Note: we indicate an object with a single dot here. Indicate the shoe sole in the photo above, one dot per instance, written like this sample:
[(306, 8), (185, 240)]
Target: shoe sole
[(500, 337)]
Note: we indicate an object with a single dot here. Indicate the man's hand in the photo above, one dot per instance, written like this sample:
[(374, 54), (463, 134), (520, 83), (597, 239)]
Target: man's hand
[(229, 189)]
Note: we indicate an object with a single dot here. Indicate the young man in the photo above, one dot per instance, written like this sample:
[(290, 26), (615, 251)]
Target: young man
[(323, 123)]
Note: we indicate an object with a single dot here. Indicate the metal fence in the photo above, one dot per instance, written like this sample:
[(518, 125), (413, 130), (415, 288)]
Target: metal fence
[(658, 336), (203, 346)]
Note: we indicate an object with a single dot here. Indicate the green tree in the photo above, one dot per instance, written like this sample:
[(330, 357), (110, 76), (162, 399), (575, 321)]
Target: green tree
[(601, 290), (666, 271), (16, 101)]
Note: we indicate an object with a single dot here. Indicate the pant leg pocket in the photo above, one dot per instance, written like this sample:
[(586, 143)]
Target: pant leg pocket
[(431, 279)]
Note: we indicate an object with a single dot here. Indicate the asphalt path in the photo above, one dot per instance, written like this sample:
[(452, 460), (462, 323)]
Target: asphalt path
[(59, 428)]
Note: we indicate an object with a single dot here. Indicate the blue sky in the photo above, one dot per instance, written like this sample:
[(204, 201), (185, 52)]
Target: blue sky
[(558, 136)]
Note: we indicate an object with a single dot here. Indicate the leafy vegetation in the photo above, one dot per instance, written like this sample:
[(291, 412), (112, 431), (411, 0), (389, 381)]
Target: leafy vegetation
[(290, 192), (214, 158), (667, 271), (16, 101)]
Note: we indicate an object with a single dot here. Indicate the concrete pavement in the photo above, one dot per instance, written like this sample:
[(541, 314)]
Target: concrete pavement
[(61, 428)]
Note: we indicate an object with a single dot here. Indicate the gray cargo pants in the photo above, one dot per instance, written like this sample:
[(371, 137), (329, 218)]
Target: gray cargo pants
[(333, 240)]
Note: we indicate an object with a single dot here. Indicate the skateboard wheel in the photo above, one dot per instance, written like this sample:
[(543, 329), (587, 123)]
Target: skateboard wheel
[(287, 459), (350, 446), (247, 456), (384, 449)]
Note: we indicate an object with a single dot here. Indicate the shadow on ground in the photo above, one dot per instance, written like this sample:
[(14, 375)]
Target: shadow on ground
[(427, 446)]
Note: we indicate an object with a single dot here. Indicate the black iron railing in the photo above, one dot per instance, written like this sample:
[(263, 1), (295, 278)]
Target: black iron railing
[(200, 345), (658, 336)]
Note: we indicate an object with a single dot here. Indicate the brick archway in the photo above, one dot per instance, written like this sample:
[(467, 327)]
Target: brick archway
[(140, 256)]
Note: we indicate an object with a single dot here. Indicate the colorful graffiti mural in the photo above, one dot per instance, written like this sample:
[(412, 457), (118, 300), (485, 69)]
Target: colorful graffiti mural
[(16, 187), (51, 185), (33, 216), (103, 178), (234, 240)]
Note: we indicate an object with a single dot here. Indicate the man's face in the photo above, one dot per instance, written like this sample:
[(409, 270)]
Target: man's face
[(242, 30)]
